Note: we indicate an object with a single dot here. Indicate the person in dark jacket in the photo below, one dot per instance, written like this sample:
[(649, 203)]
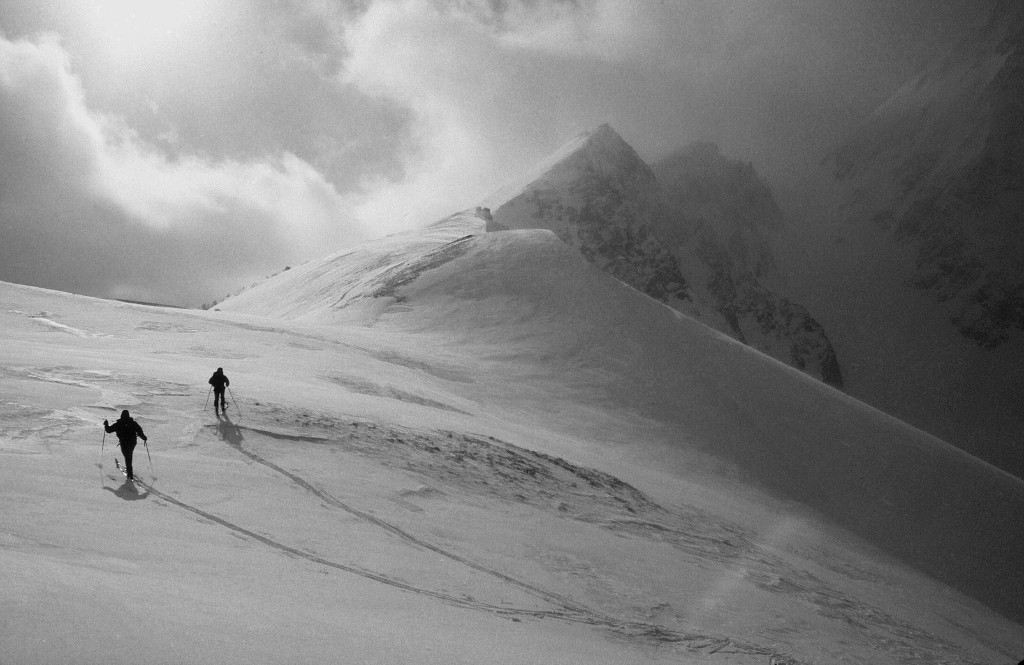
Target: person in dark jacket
[(220, 382), (127, 431)]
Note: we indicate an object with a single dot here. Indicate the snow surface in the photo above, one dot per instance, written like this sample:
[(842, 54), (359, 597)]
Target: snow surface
[(461, 447)]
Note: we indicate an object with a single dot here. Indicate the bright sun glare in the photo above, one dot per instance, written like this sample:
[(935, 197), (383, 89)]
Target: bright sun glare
[(131, 25)]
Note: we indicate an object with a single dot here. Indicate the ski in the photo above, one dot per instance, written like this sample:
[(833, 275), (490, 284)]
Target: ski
[(123, 470)]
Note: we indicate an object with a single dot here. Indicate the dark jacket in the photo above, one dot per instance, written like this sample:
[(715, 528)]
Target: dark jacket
[(127, 430), (219, 381)]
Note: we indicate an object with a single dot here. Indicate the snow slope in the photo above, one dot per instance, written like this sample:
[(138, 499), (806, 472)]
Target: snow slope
[(464, 447)]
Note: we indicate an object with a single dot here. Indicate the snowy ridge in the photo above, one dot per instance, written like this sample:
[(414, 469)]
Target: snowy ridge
[(331, 284), (522, 298), (688, 240)]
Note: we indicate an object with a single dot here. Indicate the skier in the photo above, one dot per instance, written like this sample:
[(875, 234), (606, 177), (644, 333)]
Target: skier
[(127, 432), (219, 382)]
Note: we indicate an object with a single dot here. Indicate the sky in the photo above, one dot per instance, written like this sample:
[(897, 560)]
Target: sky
[(177, 151)]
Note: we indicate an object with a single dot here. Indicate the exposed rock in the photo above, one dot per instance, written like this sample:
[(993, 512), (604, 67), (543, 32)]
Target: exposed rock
[(695, 242), (722, 215)]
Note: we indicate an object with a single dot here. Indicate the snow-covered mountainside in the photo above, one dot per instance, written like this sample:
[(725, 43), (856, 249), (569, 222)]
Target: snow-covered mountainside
[(706, 189), (920, 264), (598, 196), (525, 296), (725, 224), (941, 165), (673, 240), (454, 446)]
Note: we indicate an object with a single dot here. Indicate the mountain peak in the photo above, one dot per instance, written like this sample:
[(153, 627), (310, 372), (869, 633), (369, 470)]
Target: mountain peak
[(602, 151), (599, 197), (605, 135), (605, 139)]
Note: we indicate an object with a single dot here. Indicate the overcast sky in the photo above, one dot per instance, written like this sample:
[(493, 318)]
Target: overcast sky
[(175, 151)]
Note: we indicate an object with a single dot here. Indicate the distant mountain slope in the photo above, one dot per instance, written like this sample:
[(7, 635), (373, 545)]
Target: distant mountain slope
[(529, 309), (669, 238), (598, 196), (916, 251), (941, 165), (724, 220), (703, 188)]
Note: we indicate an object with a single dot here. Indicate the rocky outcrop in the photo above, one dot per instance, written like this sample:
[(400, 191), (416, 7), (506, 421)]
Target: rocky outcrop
[(693, 241), (601, 198), (722, 216)]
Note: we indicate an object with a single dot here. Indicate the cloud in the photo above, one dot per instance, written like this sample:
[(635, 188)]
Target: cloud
[(277, 129), (88, 206), (412, 54), (494, 86), (500, 83), (482, 109)]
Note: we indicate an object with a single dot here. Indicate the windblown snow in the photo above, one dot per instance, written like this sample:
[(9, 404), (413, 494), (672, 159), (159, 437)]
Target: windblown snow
[(454, 446)]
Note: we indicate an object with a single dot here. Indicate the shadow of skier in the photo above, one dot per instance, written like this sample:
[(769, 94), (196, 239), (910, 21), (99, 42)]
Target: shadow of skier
[(128, 491), (229, 431)]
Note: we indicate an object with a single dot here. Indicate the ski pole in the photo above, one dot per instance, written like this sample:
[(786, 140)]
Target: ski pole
[(146, 443), (233, 401), (207, 398), (103, 443)]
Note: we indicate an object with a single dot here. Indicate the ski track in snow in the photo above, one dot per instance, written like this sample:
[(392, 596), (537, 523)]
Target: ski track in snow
[(517, 474), (566, 609), (511, 469)]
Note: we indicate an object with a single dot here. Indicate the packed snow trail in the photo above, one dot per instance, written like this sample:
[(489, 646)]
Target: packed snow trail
[(716, 541), (573, 612), (567, 609), (548, 596)]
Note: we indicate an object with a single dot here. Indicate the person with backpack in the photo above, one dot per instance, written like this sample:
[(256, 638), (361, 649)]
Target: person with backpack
[(127, 431), (220, 382)]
